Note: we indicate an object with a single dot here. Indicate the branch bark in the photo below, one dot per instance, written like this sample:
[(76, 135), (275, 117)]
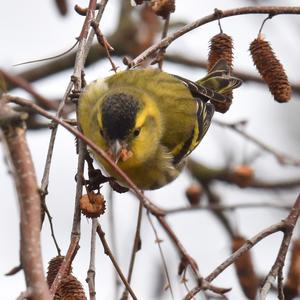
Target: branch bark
[(13, 130)]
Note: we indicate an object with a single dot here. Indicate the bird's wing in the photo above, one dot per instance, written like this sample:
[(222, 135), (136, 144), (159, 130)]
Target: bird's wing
[(219, 78), (205, 112), (201, 91)]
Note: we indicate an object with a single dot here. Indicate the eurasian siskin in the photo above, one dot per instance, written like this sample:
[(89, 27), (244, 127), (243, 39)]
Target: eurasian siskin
[(150, 121)]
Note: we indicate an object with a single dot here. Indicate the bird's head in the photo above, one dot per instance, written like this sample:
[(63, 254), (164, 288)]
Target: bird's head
[(127, 126)]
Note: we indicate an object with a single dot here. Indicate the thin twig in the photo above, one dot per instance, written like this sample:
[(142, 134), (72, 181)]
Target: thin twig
[(213, 198), (108, 252), (206, 174), (111, 221), (103, 42), (14, 270), (135, 248), (225, 207), (92, 267), (161, 53), (282, 158), (19, 81), (286, 226), (46, 173), (164, 43), (51, 228), (158, 242), (290, 222)]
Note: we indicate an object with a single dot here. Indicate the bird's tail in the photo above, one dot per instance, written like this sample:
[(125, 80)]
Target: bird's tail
[(219, 78)]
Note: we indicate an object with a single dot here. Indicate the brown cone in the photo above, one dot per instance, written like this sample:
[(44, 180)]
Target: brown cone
[(163, 7), (70, 289), (223, 107), (291, 287), (194, 193), (270, 69), (92, 205), (53, 267), (242, 175), (244, 269), (220, 48)]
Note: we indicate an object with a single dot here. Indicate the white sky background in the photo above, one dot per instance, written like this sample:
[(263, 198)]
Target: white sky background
[(33, 29)]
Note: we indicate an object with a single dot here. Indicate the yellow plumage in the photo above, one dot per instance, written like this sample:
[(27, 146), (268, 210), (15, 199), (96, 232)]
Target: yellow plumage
[(152, 115)]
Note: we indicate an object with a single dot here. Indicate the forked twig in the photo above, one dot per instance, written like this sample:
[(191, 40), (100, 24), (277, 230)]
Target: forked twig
[(286, 226), (107, 251), (135, 248)]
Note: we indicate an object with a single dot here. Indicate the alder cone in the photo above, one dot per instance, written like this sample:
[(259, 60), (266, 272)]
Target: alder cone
[(292, 285), (220, 47), (92, 205), (194, 193), (70, 288), (270, 69), (62, 6), (53, 267), (163, 8), (223, 107), (245, 270), (242, 175)]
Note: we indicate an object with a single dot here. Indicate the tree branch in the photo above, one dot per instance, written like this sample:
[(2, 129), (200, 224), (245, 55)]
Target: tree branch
[(217, 15), (13, 129)]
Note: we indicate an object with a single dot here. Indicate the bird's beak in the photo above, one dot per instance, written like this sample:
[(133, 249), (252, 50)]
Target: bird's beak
[(116, 149)]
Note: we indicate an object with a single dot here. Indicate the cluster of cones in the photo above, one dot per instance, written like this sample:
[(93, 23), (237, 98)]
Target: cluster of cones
[(269, 67)]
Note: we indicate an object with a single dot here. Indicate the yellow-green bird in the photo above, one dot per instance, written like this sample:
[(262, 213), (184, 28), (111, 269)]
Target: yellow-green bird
[(149, 121)]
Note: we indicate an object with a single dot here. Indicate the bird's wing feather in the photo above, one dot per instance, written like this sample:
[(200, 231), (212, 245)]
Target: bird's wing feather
[(201, 91), (205, 112)]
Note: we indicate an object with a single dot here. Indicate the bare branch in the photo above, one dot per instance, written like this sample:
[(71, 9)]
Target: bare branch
[(108, 252), (286, 226), (289, 225), (13, 130), (282, 158), (227, 207), (135, 248), (218, 14), (19, 81), (92, 268)]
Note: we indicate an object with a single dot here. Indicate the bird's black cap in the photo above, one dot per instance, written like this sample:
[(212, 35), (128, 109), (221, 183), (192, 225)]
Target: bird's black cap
[(118, 115)]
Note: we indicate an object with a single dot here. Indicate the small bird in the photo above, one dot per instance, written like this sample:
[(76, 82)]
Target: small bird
[(149, 121)]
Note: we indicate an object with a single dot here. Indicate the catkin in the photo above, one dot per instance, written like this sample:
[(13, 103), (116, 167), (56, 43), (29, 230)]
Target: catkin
[(163, 8), (244, 269), (270, 69), (221, 47), (223, 107), (70, 289), (53, 267), (292, 285)]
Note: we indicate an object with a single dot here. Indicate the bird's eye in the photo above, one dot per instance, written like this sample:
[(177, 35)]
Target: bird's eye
[(101, 131), (136, 132)]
